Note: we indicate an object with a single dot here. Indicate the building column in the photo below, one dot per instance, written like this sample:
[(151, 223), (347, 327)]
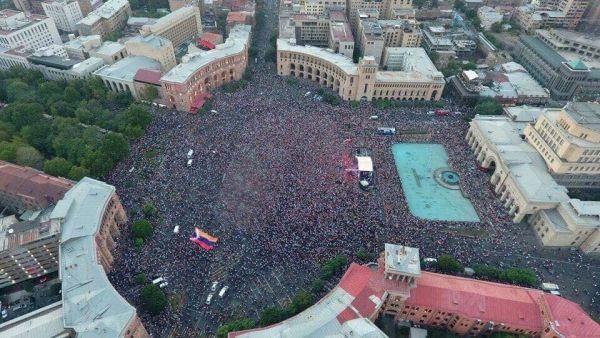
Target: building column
[(481, 156), (508, 202), (519, 216), (512, 210), (498, 186)]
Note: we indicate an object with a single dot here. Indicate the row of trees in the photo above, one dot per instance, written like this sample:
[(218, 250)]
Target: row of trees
[(69, 129), (301, 301), (512, 275)]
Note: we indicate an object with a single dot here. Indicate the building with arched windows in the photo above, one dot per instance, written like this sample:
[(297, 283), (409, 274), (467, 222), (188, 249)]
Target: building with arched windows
[(417, 78), (186, 85), (524, 161)]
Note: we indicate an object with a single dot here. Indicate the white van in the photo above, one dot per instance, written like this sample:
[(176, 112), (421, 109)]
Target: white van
[(176, 229), (213, 287), (190, 153), (208, 299), (189, 162), (163, 284), (223, 290), (549, 287), (158, 280)]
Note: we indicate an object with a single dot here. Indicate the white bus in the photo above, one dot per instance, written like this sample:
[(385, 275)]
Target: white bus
[(223, 290), (190, 153), (158, 280)]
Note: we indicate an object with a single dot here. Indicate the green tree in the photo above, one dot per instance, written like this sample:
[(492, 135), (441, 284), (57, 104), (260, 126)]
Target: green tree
[(71, 95), (488, 107), (236, 325), (272, 315), (8, 151), (149, 209), (141, 229), (363, 255), (153, 299), (496, 27), (141, 278), (138, 243), (317, 286), (22, 114), (58, 166), (77, 173), (39, 135), (115, 145), (150, 93), (29, 156), (302, 301), (447, 263), (28, 285), (98, 163), (17, 90)]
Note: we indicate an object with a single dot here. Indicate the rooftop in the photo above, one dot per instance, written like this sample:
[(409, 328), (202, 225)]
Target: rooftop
[(237, 41), (526, 166), (586, 114), (402, 259), (106, 11), (126, 68), (32, 184), (12, 21), (341, 31), (109, 48), (155, 41), (543, 50), (416, 66), (343, 62), (91, 306)]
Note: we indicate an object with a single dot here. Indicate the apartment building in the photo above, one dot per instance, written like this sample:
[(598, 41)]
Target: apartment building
[(564, 78), (401, 33), (66, 13), (110, 17), (154, 47), (14, 57), (318, 7), (417, 80), (526, 174), (569, 141), (370, 39), (179, 26), (387, 8), (545, 14), (187, 84), (32, 31), (341, 39), (571, 43)]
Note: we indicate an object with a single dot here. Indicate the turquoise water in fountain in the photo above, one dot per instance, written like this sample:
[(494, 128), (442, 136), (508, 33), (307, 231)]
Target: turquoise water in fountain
[(427, 199)]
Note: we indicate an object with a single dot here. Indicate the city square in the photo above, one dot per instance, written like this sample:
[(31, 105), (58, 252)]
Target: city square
[(268, 179)]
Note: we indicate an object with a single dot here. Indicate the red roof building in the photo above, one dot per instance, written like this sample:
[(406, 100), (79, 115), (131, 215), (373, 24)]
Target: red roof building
[(462, 305), (24, 188), (209, 40)]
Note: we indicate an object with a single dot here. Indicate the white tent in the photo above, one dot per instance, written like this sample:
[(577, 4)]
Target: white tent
[(365, 163)]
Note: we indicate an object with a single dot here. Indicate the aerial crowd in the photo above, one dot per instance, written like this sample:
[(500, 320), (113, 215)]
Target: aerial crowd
[(268, 177)]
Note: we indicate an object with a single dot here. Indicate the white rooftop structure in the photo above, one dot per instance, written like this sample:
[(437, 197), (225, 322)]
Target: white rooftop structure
[(238, 40), (470, 75), (91, 306), (527, 114), (126, 68), (106, 11), (365, 163), (84, 42), (415, 66), (41, 323), (140, 21), (87, 66), (402, 259)]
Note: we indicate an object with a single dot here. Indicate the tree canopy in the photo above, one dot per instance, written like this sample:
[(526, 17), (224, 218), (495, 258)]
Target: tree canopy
[(153, 299), (71, 129)]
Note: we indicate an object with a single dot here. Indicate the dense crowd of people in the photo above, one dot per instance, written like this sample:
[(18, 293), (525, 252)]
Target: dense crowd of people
[(270, 178)]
